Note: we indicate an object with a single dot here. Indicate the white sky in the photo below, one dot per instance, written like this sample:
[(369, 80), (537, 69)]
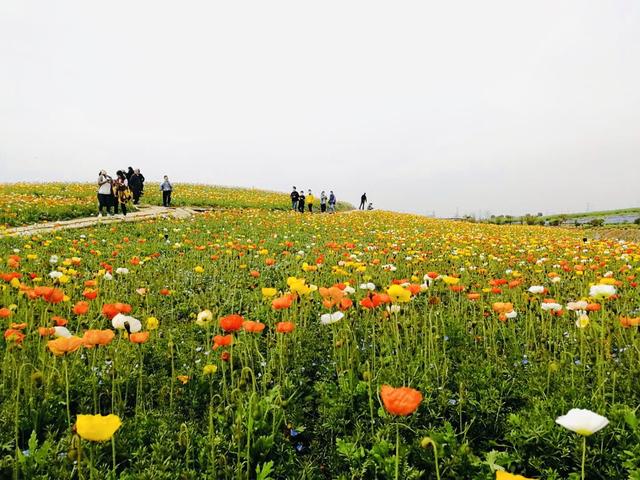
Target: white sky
[(476, 106)]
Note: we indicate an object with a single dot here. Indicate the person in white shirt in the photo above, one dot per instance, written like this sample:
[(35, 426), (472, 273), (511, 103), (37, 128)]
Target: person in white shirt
[(104, 192)]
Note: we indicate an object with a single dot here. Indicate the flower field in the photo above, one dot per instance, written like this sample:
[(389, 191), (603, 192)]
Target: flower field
[(267, 344), (24, 203)]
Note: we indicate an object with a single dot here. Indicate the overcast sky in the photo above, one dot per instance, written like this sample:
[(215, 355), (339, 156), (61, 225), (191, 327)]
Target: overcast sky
[(442, 106)]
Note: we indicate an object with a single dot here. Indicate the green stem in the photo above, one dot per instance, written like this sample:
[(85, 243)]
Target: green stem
[(584, 453), (66, 388), (397, 450)]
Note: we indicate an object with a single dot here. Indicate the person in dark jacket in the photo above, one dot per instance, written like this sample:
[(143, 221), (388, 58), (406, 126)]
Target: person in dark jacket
[(129, 173), (332, 202), (294, 199), (363, 201), (301, 199), (136, 184)]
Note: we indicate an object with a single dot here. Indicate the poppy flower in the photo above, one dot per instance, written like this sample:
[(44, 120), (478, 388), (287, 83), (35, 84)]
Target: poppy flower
[(46, 331), (204, 317), (59, 321), (285, 327), (54, 295), (165, 291), (222, 341), (283, 302), (583, 422), (269, 292), (63, 345), (629, 322), (184, 379), (97, 428), (231, 323), (124, 322), (140, 337), (90, 294), (92, 338), (400, 401), (80, 308), (5, 312), (110, 310), (399, 294), (253, 327), (14, 335), (501, 475)]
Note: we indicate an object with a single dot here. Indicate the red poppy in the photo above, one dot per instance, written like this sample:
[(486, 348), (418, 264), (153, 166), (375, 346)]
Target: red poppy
[(222, 341), (400, 401), (231, 323), (165, 291), (254, 273), (345, 304), (285, 327), (90, 294)]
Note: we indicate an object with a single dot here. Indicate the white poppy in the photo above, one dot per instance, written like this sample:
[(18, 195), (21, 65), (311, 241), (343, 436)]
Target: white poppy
[(329, 318), (393, 308), (555, 279), (536, 289), (367, 286), (122, 271), (61, 332), (349, 290), (551, 306), (55, 274), (389, 267), (512, 314), (583, 422), (573, 306), (53, 259), (583, 320), (602, 291), (108, 276), (121, 321)]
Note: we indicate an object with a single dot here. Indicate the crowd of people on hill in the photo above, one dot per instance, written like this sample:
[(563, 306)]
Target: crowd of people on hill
[(116, 192), (327, 203)]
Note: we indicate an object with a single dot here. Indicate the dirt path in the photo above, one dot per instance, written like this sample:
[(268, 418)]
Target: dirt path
[(144, 213)]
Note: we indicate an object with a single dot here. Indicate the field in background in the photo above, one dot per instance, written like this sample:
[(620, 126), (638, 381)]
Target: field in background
[(25, 203)]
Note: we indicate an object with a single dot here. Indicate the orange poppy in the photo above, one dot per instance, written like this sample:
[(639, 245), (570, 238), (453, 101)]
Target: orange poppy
[(285, 327), (14, 335), (502, 307), (165, 291), (97, 337), (231, 323), (627, 322), (46, 331), (5, 312), (19, 326), (593, 307), (139, 337), (345, 304), (457, 288), (253, 327), (400, 401), (81, 308), (222, 341), (64, 345), (283, 302), (60, 322), (55, 295), (473, 296), (110, 310), (254, 273)]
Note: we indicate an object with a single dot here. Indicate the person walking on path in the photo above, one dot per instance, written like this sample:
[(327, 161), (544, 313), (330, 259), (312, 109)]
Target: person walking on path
[(104, 193), (294, 199), (166, 188), (363, 201), (323, 201), (332, 202), (310, 200), (121, 191), (301, 200), (136, 185)]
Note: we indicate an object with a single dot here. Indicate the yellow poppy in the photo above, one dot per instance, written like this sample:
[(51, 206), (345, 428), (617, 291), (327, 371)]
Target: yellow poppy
[(97, 428)]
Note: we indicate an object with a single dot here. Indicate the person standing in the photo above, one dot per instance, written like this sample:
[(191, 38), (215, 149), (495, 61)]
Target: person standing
[(166, 188), (294, 199), (332, 202), (323, 201), (310, 200), (301, 201), (135, 185), (129, 173), (121, 191), (104, 193), (363, 201)]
